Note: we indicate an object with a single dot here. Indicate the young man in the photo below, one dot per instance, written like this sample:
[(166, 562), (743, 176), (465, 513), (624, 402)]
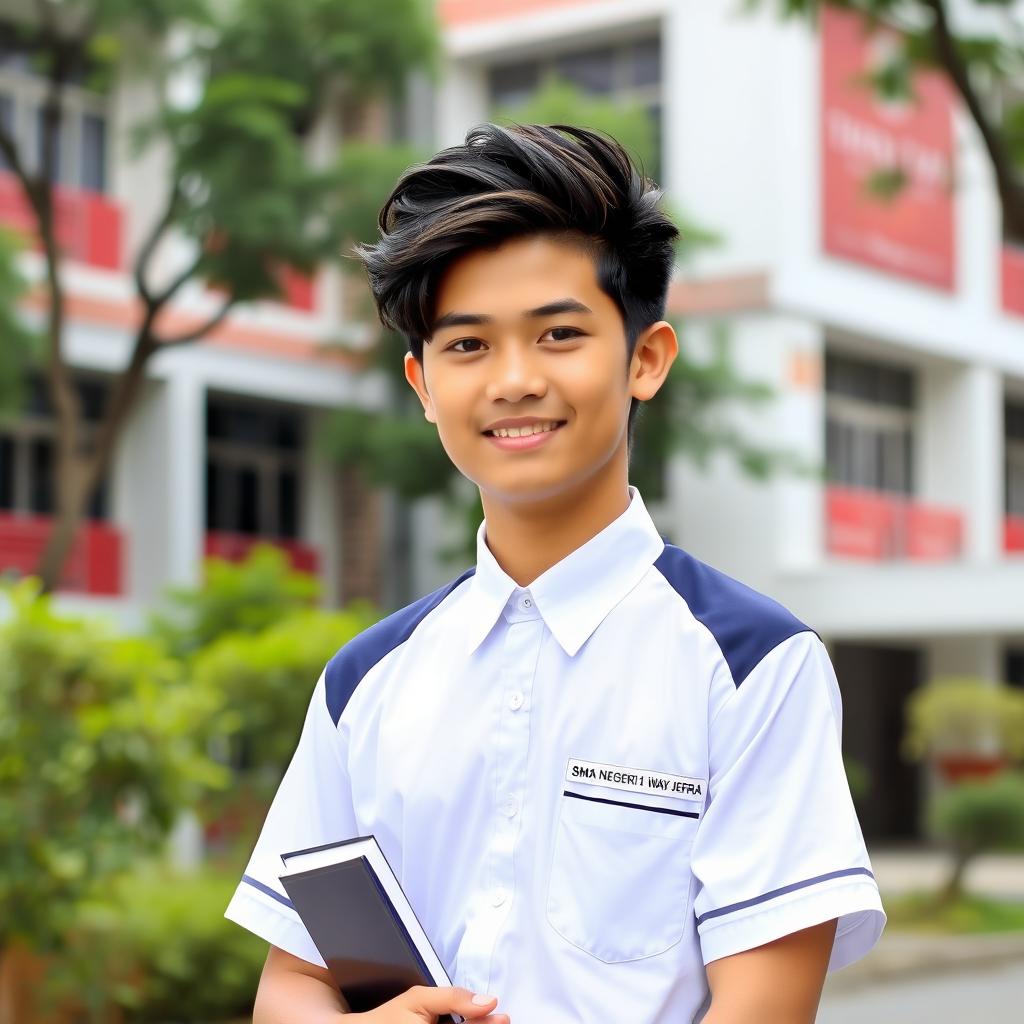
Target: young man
[(608, 776)]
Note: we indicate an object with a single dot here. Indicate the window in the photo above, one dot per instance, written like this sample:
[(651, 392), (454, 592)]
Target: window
[(869, 415), (253, 469), (625, 71), (81, 144), (28, 450), (1014, 667), (1014, 459)]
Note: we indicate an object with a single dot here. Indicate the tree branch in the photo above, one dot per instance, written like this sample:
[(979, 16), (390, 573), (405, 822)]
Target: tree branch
[(1011, 191), (149, 246), (204, 328), (172, 289)]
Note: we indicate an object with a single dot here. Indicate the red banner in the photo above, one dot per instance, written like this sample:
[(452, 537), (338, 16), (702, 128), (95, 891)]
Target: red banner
[(1013, 534), (868, 144), (1012, 274), (878, 526), (94, 565), (88, 225)]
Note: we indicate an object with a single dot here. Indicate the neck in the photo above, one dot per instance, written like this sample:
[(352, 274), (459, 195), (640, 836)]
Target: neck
[(528, 538)]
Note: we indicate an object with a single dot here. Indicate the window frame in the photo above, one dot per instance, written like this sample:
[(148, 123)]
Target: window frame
[(28, 94)]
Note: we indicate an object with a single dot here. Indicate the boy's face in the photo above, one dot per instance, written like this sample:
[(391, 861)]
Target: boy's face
[(498, 364)]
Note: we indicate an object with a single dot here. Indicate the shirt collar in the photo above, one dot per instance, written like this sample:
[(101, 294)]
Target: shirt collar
[(574, 595)]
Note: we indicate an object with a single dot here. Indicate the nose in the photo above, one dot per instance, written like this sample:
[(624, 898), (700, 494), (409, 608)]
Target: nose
[(515, 376)]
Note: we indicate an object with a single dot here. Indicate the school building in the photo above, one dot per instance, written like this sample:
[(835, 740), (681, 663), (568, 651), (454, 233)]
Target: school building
[(890, 322), (862, 272)]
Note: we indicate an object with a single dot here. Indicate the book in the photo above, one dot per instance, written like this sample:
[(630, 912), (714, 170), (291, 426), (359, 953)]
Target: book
[(361, 921)]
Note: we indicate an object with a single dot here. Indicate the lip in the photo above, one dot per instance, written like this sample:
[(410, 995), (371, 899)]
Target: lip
[(518, 444)]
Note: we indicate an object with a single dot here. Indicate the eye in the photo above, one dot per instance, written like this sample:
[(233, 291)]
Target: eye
[(454, 346), (572, 332)]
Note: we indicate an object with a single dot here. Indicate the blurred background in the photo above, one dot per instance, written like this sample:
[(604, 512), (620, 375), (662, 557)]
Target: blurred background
[(211, 474)]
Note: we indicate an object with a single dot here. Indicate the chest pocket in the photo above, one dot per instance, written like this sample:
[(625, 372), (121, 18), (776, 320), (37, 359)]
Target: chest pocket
[(619, 886)]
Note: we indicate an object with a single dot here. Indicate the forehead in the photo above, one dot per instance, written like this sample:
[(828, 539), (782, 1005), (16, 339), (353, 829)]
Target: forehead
[(522, 273)]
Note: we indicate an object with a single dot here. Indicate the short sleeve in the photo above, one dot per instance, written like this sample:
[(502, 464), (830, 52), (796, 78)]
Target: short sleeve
[(312, 806), (780, 848)]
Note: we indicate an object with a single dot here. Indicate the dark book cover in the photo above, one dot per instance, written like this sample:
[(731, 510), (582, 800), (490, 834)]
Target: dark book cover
[(361, 937)]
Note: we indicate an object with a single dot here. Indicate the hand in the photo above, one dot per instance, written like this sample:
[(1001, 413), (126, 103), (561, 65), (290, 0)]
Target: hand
[(425, 1004)]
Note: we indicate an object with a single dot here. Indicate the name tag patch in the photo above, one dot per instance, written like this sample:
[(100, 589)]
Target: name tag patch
[(635, 780)]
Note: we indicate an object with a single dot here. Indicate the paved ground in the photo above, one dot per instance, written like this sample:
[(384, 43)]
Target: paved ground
[(993, 875), (928, 979), (981, 996)]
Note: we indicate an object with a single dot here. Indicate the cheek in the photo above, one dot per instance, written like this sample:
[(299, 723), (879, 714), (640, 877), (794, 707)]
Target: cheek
[(598, 391)]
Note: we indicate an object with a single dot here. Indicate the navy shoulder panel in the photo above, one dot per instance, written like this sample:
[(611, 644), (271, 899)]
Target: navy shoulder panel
[(746, 624), (349, 666)]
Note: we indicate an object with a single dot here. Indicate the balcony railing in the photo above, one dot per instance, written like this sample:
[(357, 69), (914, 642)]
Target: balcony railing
[(93, 567), (88, 224), (879, 526), (235, 547), (1013, 534)]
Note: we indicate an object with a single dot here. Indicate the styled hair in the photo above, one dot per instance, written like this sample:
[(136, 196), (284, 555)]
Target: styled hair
[(571, 183)]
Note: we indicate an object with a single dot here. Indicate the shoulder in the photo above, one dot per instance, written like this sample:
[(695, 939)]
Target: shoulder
[(746, 624), (350, 665)]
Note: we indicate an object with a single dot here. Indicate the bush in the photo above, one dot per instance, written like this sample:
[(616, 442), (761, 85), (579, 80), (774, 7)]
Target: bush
[(99, 751), (978, 816), (965, 716), (264, 680), (158, 947), (235, 597)]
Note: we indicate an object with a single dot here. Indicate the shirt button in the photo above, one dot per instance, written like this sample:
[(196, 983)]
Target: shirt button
[(498, 897), (511, 807), (515, 700)]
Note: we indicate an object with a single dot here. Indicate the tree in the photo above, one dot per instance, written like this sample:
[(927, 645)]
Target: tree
[(397, 449), (979, 46), (20, 346), (242, 191)]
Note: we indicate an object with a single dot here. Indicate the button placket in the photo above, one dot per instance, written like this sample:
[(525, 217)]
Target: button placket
[(496, 897)]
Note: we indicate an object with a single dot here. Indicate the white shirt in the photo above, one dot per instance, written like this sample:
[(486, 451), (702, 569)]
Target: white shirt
[(589, 788)]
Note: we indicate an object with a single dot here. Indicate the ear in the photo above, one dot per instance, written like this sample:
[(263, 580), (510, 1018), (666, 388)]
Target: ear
[(655, 352), (414, 375)]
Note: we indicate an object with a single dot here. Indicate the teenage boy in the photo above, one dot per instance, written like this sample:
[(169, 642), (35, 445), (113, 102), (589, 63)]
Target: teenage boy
[(608, 776)]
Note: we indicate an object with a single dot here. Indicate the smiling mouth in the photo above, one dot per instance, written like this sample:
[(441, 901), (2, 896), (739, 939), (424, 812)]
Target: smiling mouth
[(525, 431)]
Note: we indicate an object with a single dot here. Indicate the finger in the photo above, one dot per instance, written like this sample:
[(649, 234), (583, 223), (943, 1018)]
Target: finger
[(439, 1001)]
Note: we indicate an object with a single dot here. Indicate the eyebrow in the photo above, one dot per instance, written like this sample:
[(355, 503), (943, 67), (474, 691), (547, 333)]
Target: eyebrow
[(567, 305)]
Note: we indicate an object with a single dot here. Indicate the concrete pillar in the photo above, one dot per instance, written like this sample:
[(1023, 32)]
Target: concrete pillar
[(186, 477), (800, 428), (319, 496), (960, 449)]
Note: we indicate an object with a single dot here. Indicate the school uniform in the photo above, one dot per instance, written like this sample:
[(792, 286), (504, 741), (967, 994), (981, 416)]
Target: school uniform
[(590, 787)]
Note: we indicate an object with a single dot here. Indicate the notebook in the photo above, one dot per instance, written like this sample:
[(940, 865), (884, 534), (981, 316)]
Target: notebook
[(361, 922)]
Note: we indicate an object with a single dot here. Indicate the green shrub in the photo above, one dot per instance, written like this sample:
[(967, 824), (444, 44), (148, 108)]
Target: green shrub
[(246, 597), (266, 680), (964, 716), (100, 748), (158, 947), (978, 816)]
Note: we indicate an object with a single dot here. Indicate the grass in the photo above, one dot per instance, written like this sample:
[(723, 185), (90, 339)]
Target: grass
[(969, 915)]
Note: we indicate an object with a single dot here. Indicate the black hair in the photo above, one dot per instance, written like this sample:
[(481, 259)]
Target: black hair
[(572, 183)]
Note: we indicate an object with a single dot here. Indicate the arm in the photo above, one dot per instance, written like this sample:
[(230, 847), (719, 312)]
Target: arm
[(777, 983), (292, 991)]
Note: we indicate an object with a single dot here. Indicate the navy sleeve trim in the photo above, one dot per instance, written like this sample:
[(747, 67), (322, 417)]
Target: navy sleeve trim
[(746, 625), (781, 892), (351, 664), (257, 884)]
